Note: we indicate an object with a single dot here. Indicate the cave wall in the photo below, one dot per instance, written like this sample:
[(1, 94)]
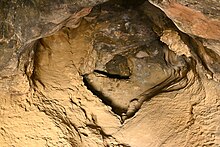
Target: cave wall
[(55, 57)]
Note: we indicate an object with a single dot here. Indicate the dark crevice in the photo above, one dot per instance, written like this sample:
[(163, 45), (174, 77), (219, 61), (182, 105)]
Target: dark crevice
[(200, 56), (116, 109), (127, 3), (112, 76), (34, 77), (195, 51)]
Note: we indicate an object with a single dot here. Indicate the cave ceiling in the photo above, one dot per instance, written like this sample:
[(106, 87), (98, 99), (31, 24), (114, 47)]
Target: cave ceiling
[(110, 73)]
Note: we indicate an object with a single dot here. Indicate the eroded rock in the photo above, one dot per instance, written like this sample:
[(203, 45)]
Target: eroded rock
[(129, 57), (200, 20), (23, 22), (161, 87)]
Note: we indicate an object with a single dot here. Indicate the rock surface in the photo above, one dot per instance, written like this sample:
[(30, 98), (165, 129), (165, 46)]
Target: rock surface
[(23, 22), (200, 20), (127, 56), (120, 76)]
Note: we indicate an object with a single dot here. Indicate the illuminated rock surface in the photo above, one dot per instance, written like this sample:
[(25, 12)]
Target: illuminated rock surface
[(114, 75)]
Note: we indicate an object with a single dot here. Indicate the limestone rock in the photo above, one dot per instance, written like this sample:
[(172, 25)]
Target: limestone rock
[(122, 76), (23, 22), (200, 19)]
